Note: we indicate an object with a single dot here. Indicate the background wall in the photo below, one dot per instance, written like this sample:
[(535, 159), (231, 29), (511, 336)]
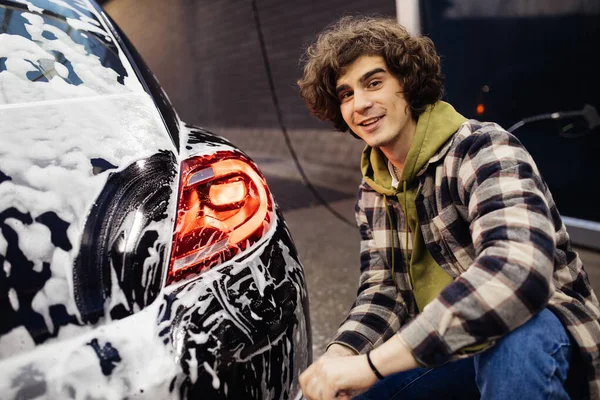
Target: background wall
[(207, 56)]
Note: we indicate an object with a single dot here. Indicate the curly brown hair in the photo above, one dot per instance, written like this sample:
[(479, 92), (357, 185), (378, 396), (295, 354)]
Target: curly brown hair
[(413, 60)]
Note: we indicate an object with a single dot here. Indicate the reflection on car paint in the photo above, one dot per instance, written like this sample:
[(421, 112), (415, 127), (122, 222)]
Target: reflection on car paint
[(200, 135), (46, 152), (120, 240)]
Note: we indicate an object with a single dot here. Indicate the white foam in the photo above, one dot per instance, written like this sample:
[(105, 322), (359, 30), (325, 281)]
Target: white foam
[(216, 382), (34, 239), (13, 299), (86, 26), (3, 247), (30, 6)]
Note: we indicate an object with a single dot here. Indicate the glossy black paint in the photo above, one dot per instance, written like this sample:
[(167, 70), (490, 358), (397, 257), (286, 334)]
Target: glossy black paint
[(25, 281), (4, 177), (99, 165), (58, 229), (201, 135), (107, 354), (142, 190), (241, 361)]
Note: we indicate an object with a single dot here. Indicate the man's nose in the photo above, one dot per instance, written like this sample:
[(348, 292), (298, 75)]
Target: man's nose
[(362, 102)]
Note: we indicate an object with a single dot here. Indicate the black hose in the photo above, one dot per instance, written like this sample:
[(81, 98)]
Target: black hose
[(288, 142)]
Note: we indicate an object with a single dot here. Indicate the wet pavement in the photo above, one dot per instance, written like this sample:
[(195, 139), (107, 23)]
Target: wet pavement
[(329, 247)]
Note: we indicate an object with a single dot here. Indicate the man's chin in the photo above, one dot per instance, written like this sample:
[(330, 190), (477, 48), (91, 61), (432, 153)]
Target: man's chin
[(378, 142)]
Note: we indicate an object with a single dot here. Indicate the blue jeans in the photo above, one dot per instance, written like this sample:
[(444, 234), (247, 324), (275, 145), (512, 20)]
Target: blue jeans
[(530, 363)]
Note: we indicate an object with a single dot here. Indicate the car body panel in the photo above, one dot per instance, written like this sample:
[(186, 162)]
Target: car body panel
[(181, 345), (46, 156)]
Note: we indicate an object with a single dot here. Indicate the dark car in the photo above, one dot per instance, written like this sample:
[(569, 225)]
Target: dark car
[(532, 68), (141, 257)]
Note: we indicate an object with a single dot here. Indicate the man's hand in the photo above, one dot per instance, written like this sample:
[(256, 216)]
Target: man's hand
[(341, 375), (335, 377)]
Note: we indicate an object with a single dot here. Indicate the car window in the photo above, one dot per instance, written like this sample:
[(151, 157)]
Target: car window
[(40, 52)]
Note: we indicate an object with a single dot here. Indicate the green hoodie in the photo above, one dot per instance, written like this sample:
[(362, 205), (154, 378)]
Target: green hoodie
[(435, 126)]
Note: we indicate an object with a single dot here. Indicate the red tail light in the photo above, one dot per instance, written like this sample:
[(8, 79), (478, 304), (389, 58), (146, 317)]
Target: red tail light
[(224, 207)]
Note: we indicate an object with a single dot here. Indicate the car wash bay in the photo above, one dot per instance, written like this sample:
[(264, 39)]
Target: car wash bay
[(209, 59)]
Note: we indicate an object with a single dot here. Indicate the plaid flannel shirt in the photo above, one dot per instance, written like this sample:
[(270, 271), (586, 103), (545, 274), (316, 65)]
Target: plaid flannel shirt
[(490, 222)]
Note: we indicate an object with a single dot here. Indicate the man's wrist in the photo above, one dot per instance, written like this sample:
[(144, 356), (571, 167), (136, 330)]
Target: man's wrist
[(373, 367), (393, 356), (336, 349)]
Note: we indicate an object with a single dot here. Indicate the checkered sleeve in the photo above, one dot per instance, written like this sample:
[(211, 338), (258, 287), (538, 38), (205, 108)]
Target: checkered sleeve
[(379, 309), (510, 279)]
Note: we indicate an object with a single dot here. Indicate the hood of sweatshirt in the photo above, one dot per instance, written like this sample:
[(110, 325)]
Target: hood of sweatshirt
[(435, 126)]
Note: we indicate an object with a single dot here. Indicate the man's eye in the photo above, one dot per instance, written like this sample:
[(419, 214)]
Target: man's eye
[(345, 95), (373, 84)]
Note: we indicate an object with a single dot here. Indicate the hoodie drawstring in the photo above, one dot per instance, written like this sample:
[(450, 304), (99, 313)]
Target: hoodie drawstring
[(406, 227), (389, 215), (387, 211)]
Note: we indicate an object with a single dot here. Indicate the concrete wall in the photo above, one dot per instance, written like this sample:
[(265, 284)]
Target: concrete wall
[(207, 56)]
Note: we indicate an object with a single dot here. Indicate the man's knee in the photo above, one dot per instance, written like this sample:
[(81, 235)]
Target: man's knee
[(534, 357)]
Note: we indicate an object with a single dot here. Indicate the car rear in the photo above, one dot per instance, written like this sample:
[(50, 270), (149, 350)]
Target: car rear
[(142, 257)]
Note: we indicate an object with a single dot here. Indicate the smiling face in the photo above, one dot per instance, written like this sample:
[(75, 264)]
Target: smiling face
[(373, 105)]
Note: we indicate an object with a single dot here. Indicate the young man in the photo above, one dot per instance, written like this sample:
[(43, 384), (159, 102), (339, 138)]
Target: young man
[(469, 286)]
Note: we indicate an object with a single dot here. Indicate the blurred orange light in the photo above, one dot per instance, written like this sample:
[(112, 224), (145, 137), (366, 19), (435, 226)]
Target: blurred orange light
[(480, 109)]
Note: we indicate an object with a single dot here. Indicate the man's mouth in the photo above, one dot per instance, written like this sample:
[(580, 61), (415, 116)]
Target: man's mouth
[(370, 121)]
